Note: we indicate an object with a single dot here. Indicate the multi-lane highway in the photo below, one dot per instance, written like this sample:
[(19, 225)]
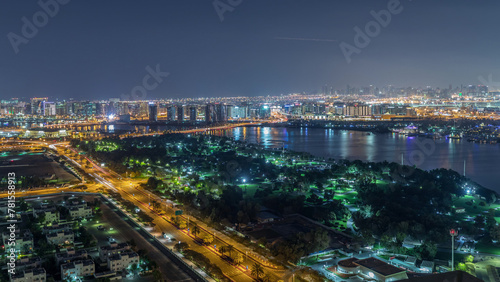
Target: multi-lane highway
[(129, 190)]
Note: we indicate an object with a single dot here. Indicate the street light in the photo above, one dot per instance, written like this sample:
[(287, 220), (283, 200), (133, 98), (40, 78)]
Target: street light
[(453, 234)]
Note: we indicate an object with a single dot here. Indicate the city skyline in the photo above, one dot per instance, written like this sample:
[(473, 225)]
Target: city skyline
[(92, 50), (249, 140), (376, 91)]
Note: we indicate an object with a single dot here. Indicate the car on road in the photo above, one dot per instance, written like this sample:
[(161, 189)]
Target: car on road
[(100, 227)]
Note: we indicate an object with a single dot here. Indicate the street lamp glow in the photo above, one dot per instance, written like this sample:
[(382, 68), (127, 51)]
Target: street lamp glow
[(453, 234)]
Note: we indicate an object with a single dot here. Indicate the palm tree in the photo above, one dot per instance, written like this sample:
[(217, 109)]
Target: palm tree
[(230, 250), (134, 267), (222, 250), (266, 277), (239, 258), (196, 230), (257, 270), (157, 275)]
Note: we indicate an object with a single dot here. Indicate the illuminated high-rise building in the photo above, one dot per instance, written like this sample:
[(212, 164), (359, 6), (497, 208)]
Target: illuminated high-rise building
[(192, 114), (210, 113), (37, 106), (153, 112), (171, 113), (180, 113), (48, 108), (221, 114)]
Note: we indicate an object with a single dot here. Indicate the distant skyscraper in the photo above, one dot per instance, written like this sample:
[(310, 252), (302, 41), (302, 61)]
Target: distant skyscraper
[(221, 112), (482, 89), (153, 112), (48, 108), (180, 113), (171, 113), (101, 109), (210, 113), (265, 111), (37, 106), (89, 108), (192, 114)]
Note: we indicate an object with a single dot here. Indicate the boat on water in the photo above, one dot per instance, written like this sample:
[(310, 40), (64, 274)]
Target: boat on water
[(410, 130)]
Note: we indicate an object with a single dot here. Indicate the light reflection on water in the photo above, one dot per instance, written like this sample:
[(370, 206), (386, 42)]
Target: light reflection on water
[(482, 160)]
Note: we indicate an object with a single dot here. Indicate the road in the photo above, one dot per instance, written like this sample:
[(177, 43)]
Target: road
[(162, 225), (155, 251), (116, 183), (481, 267), (128, 190)]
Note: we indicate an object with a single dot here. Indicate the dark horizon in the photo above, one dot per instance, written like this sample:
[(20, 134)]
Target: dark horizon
[(89, 50)]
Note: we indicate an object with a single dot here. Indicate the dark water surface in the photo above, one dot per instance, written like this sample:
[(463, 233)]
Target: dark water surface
[(482, 161)]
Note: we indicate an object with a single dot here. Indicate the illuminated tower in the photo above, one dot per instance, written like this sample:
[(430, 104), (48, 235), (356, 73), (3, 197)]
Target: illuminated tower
[(153, 112)]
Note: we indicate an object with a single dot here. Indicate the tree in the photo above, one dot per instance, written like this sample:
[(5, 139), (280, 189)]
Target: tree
[(222, 250), (230, 250), (132, 243), (157, 275), (134, 267), (182, 224), (181, 247), (196, 230), (239, 258), (427, 250), (257, 270), (267, 278), (41, 217), (321, 239), (156, 206), (469, 258), (495, 232), (23, 206), (208, 239)]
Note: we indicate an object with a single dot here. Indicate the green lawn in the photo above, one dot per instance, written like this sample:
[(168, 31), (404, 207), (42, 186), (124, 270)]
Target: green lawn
[(474, 209), (341, 225), (310, 261), (489, 248), (447, 256), (349, 197), (249, 188)]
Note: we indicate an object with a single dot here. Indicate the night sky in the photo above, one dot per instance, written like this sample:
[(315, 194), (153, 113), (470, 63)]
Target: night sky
[(94, 49)]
